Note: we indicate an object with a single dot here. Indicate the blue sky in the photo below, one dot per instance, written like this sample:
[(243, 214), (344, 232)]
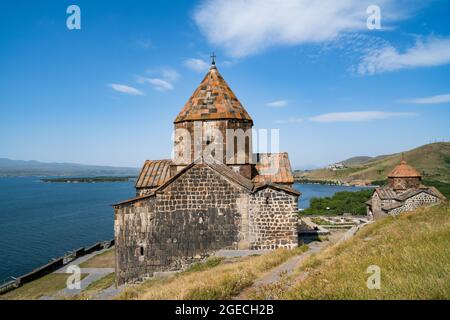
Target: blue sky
[(108, 93)]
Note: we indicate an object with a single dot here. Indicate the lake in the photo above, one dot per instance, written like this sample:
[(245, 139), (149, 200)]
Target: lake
[(40, 221), (319, 190)]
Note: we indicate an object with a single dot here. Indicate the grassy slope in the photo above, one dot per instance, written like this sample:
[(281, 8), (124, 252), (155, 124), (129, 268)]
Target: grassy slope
[(212, 280), (103, 260), (45, 286), (412, 250), (54, 282), (433, 160), (96, 287)]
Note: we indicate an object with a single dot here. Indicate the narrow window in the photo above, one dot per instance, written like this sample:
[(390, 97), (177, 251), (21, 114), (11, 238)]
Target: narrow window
[(141, 250)]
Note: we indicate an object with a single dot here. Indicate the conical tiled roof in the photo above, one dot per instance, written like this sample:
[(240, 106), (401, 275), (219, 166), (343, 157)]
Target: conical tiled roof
[(213, 100), (404, 170)]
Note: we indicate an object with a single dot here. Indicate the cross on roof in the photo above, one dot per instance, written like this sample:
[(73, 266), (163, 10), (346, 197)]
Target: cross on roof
[(213, 59)]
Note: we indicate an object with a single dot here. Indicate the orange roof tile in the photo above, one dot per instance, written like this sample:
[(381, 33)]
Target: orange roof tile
[(154, 173), (273, 168), (213, 100), (404, 170)]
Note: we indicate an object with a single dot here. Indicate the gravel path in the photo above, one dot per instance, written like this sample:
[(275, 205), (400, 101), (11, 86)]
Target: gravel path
[(94, 274)]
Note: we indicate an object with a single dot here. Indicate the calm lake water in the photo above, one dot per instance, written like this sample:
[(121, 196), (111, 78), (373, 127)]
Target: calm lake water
[(40, 221), (318, 190)]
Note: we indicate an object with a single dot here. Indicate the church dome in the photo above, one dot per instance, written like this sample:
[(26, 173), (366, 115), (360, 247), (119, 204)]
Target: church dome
[(213, 100), (404, 170)]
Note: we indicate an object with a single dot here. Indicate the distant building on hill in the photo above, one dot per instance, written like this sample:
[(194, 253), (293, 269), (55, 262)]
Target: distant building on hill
[(404, 192), (187, 207), (336, 166)]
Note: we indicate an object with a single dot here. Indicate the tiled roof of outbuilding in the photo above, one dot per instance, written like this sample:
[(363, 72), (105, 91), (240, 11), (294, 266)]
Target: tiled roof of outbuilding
[(404, 170), (213, 100), (273, 168), (154, 173), (230, 174), (386, 193), (392, 206)]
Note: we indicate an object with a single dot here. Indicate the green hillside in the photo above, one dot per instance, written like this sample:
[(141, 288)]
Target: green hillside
[(432, 160), (410, 250)]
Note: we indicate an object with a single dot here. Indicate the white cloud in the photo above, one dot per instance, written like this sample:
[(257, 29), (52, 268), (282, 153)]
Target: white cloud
[(157, 84), (167, 76), (245, 27), (359, 116), (197, 65), (144, 43), (425, 53), (277, 104), (442, 98), (290, 120), (126, 89)]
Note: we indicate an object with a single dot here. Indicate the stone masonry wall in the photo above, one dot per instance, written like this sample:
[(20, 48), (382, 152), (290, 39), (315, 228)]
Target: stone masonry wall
[(404, 183), (273, 219), (207, 140), (193, 216), (420, 200), (376, 207), (132, 224)]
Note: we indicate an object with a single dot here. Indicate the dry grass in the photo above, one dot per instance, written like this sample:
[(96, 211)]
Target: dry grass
[(412, 250), (220, 281), (48, 285), (103, 260), (102, 283)]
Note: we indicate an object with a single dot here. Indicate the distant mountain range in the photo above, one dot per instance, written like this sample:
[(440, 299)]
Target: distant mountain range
[(11, 168), (432, 160)]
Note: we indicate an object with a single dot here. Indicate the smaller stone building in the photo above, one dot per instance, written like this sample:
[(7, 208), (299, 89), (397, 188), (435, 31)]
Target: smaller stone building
[(404, 192)]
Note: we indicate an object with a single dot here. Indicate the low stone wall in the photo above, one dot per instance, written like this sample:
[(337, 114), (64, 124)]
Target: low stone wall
[(42, 271), (54, 264)]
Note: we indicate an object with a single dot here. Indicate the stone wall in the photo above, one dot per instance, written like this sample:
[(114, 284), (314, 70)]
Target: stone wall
[(144, 191), (273, 217), (376, 207), (193, 216), (132, 225), (197, 213), (420, 200), (404, 183), (213, 135)]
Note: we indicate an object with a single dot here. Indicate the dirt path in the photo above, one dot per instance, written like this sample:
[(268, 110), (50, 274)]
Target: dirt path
[(274, 275)]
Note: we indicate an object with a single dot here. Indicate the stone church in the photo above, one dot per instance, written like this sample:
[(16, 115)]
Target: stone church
[(192, 205), (403, 193)]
